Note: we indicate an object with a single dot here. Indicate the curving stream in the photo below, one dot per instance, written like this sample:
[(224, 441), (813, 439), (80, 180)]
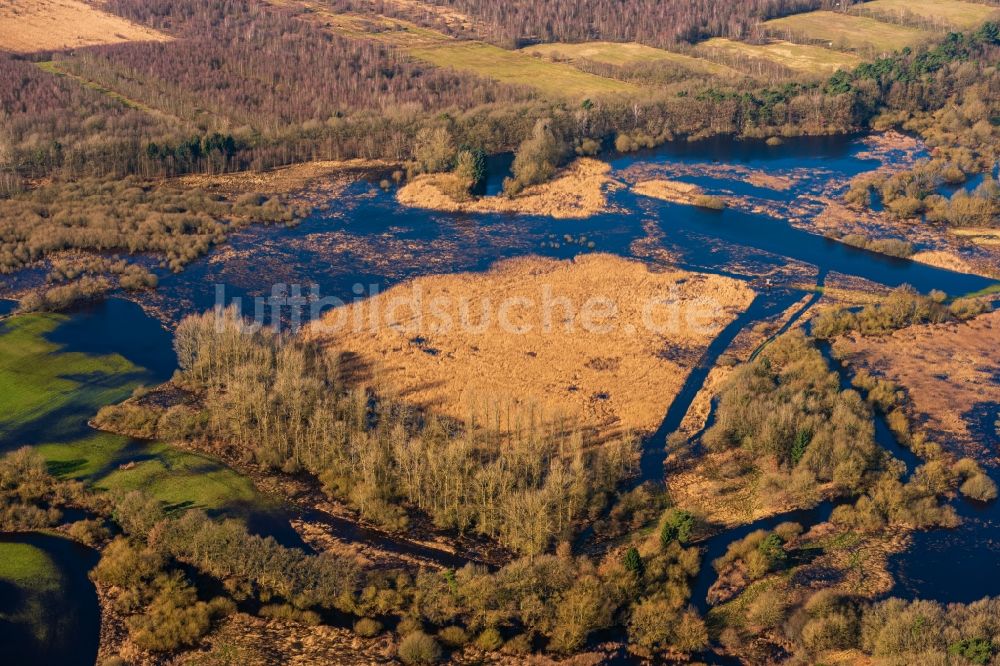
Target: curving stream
[(366, 237)]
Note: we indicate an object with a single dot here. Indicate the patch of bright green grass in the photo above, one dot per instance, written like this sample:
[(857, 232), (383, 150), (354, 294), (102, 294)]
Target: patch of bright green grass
[(24, 564), (553, 79), (47, 395), (182, 479)]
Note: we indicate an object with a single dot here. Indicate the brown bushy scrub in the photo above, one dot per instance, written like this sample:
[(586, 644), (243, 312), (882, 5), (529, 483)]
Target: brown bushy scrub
[(161, 606), (127, 215), (175, 617), (419, 648), (917, 191), (947, 104), (974, 483), (65, 296), (901, 308), (787, 406), (88, 532), (926, 631), (760, 552), (30, 497), (536, 158), (830, 622), (893, 247), (657, 571)]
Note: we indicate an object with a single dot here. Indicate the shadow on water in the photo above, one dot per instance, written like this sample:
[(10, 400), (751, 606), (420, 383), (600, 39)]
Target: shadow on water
[(971, 551), (118, 326), (65, 622), (435, 242)]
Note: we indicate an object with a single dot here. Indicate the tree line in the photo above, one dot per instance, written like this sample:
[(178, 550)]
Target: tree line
[(509, 474), (515, 24)]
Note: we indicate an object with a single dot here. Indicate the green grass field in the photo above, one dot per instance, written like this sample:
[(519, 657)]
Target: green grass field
[(34, 579), (797, 57), (26, 565), (46, 397), (619, 54), (846, 32), (951, 13), (553, 79)]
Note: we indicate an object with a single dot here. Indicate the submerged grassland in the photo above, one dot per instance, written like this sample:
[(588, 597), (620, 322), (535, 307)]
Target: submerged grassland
[(32, 577), (47, 395)]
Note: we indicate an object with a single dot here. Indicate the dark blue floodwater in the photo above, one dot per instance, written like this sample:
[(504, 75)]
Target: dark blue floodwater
[(366, 238), (70, 614), (117, 326)]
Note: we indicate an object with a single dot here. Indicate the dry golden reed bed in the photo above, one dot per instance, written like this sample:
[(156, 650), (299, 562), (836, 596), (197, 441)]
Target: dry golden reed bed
[(617, 374), (949, 372), (576, 192), (668, 190), (28, 26), (283, 180)]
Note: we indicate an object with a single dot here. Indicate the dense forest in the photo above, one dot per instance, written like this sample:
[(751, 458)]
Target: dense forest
[(513, 24), (211, 101)]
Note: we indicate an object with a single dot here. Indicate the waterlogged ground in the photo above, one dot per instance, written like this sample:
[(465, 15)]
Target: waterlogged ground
[(56, 371), (366, 241), (48, 607)]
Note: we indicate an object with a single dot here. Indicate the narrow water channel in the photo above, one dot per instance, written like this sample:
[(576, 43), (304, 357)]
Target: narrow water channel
[(366, 237)]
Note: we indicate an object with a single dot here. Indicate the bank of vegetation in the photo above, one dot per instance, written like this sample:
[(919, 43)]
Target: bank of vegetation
[(172, 575), (80, 227), (892, 247), (901, 308), (788, 425), (947, 95), (192, 104), (283, 404)]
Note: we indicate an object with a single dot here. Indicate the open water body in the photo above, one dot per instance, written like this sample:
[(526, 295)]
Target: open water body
[(365, 237)]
